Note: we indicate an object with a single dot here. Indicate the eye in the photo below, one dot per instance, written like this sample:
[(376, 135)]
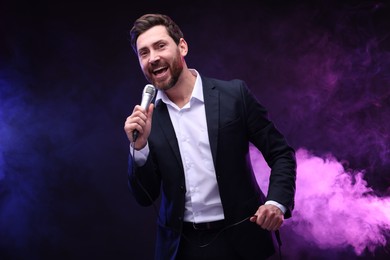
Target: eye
[(161, 45), (142, 53)]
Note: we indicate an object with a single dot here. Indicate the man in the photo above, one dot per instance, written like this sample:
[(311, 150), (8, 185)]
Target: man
[(193, 148)]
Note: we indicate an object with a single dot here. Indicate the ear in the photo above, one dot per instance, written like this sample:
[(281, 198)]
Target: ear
[(183, 47)]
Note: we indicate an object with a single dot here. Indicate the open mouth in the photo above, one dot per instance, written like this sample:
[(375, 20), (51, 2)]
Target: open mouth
[(160, 71)]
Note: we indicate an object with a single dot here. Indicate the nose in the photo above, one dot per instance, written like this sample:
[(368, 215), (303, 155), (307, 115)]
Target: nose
[(153, 57)]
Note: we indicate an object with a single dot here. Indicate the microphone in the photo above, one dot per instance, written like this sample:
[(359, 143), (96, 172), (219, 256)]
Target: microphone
[(147, 97)]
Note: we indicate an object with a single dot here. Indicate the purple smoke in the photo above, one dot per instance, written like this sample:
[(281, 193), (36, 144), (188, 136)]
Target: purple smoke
[(337, 99), (340, 209), (335, 208)]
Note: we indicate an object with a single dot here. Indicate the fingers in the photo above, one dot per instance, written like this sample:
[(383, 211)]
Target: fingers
[(136, 121), (150, 111), (269, 217)]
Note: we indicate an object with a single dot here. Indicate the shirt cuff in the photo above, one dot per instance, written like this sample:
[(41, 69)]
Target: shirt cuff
[(280, 206), (140, 156)]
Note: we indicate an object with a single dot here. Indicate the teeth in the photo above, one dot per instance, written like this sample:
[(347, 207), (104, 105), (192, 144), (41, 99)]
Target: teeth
[(158, 69)]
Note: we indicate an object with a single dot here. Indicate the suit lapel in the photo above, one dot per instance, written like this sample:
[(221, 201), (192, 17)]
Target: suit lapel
[(165, 124), (211, 101)]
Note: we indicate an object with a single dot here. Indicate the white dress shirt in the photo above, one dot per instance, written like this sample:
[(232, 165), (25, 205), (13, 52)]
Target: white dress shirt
[(202, 199)]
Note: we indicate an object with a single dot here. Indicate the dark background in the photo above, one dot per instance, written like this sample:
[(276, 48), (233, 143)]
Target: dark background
[(69, 79)]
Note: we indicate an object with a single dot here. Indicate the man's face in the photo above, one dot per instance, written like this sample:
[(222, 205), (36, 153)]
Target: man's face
[(159, 57)]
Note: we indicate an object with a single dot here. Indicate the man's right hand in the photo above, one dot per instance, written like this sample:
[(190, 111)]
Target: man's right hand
[(141, 121)]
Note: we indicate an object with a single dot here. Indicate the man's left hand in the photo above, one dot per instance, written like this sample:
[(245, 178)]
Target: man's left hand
[(268, 217)]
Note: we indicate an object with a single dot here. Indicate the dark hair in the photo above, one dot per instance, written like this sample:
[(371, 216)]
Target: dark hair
[(148, 21)]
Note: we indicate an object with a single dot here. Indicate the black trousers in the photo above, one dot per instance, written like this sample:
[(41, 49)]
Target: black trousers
[(215, 243)]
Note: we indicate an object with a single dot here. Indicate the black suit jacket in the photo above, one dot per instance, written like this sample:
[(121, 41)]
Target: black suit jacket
[(234, 119)]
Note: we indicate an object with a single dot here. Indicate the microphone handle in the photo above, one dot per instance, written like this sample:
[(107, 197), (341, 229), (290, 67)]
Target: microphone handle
[(145, 102), (135, 135)]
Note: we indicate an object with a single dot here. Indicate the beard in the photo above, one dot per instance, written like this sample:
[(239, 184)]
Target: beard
[(176, 69)]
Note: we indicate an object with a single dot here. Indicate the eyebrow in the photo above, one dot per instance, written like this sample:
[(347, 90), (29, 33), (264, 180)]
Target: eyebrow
[(153, 44)]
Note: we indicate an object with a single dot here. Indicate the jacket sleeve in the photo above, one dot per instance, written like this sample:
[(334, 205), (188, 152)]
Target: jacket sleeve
[(279, 156), (144, 181)]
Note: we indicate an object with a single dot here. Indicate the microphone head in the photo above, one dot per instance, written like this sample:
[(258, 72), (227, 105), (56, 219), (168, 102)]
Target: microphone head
[(150, 89)]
